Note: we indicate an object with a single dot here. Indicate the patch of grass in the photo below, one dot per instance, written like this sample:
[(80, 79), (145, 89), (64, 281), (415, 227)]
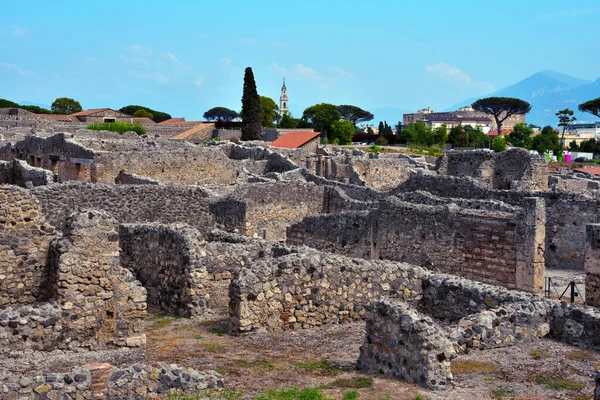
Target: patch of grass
[(184, 328), (559, 383), (351, 395), (198, 336), (161, 323), (358, 382), (213, 347), (502, 392), (580, 355), (218, 330), (461, 367), (293, 393), (488, 378), (258, 364), (323, 367), (539, 353)]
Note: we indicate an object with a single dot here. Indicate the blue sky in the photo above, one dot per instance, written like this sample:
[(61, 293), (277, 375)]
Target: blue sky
[(184, 57)]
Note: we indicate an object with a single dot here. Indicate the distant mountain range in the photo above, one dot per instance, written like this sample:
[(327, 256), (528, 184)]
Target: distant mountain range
[(548, 92)]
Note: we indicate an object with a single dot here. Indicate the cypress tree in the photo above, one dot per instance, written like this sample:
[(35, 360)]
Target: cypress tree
[(251, 116)]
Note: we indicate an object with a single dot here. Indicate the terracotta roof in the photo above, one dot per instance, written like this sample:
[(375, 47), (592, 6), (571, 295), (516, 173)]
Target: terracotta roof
[(593, 171), (293, 140), (172, 121), (58, 117), (91, 111), (144, 121), (191, 133), (495, 132)]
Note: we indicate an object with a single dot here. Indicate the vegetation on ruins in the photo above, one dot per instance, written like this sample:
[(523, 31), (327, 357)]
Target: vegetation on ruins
[(8, 104), (467, 136), (269, 111), (521, 136), (141, 113), (498, 144), (65, 105), (220, 114), (157, 116), (322, 116), (118, 126), (342, 131), (354, 114), (251, 116), (501, 108), (547, 140), (419, 134), (591, 107), (565, 118)]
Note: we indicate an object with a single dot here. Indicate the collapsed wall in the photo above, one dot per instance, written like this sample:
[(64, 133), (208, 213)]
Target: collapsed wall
[(500, 247), (17, 172)]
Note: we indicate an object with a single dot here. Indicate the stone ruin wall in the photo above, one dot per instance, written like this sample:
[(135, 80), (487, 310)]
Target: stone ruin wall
[(495, 247), (382, 173), (567, 213), (127, 203), (514, 169), (18, 172), (592, 265), (301, 290), (166, 260), (24, 242), (104, 381)]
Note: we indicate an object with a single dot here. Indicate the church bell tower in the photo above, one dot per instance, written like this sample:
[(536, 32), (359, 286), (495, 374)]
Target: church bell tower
[(284, 106)]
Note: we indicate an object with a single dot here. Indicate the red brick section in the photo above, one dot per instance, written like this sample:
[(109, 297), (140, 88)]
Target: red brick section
[(490, 247), (100, 373)]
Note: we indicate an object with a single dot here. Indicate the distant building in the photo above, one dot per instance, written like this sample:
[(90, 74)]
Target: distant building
[(462, 116), (284, 103), (587, 131)]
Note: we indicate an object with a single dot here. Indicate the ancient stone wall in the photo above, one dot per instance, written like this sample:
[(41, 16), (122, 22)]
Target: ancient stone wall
[(105, 304), (403, 343), (104, 381), (166, 260), (127, 203), (382, 173), (132, 179), (576, 324), (592, 265), (567, 213), (301, 290), (495, 247), (24, 242), (18, 172), (515, 168)]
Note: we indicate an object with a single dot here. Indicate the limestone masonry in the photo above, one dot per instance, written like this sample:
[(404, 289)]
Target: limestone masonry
[(439, 257)]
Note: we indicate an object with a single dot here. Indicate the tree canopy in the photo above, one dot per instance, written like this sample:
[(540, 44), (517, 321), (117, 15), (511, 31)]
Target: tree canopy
[(520, 136), (142, 114), (65, 105), (498, 144), (251, 116), (591, 106), (501, 108), (287, 121), (220, 114), (354, 114), (547, 140), (321, 116), (269, 111), (8, 104), (157, 116), (458, 137), (342, 131), (565, 118)]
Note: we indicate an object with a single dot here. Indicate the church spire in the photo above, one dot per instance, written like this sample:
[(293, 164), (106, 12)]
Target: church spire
[(283, 100), (283, 87)]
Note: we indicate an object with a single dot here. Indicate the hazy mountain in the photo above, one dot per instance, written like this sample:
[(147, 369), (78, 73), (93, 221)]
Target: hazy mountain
[(548, 92), (390, 114)]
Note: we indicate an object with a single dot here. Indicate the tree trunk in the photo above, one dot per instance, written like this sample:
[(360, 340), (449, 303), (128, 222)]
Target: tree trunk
[(499, 127)]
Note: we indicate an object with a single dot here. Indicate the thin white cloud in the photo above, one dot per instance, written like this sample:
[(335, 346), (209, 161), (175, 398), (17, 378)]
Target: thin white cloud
[(448, 72), (139, 49), (172, 58), (18, 31), (325, 78), (305, 73), (15, 68), (198, 81)]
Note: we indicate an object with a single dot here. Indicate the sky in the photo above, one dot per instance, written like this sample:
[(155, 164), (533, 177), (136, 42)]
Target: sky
[(185, 57)]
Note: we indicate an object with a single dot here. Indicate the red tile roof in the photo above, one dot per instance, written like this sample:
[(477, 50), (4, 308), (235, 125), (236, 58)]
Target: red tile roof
[(495, 132), (89, 112), (593, 171), (293, 140), (172, 121), (58, 117), (144, 121)]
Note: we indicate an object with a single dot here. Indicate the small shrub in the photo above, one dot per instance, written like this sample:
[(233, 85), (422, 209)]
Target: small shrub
[(502, 392), (358, 382), (539, 353), (198, 336), (351, 395), (118, 126), (498, 144), (374, 148), (381, 141), (473, 367), (559, 383)]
